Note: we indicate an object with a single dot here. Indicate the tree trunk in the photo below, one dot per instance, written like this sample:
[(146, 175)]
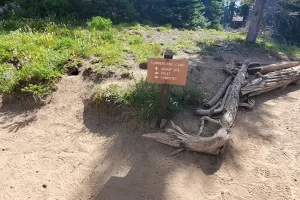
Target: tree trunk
[(255, 21), (231, 11), (271, 81), (245, 14)]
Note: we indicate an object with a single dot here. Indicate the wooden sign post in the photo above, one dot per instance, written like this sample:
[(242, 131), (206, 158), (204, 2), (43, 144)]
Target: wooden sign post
[(166, 71)]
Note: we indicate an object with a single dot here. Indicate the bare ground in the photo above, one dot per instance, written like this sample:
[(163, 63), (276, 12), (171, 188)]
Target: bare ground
[(68, 150)]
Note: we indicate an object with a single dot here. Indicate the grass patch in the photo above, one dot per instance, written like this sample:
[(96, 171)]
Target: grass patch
[(279, 48), (35, 52), (144, 97)]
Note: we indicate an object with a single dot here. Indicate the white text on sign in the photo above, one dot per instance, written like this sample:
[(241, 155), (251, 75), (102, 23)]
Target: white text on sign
[(167, 71)]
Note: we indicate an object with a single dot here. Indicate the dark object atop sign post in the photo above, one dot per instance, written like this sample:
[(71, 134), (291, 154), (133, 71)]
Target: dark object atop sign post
[(166, 71)]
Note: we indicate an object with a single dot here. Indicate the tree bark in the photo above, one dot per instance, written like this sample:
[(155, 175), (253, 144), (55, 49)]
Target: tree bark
[(220, 93), (271, 81), (255, 21), (278, 66)]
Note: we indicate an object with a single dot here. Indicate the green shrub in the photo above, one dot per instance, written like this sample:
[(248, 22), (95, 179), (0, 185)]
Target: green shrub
[(8, 78), (164, 28), (39, 91), (112, 95), (144, 51), (100, 23), (146, 97)]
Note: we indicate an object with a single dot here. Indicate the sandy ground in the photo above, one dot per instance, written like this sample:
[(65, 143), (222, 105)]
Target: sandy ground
[(66, 150)]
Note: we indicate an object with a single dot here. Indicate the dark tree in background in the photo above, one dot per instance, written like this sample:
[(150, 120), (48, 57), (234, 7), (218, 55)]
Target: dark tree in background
[(288, 21), (244, 12), (213, 12), (255, 21), (179, 13), (1, 2), (231, 11)]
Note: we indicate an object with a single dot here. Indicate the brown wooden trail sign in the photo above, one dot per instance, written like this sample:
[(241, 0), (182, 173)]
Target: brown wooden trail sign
[(167, 71)]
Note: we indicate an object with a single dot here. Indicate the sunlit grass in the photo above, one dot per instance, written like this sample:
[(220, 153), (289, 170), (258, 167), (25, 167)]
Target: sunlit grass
[(34, 52)]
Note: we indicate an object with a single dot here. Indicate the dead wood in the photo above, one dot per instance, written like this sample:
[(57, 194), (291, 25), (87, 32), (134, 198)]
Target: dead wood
[(278, 66), (211, 145), (215, 144), (216, 109), (233, 99), (220, 93), (271, 81)]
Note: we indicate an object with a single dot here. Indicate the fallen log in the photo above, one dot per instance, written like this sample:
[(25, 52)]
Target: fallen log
[(212, 145), (220, 93), (214, 110), (271, 68), (271, 81), (215, 144)]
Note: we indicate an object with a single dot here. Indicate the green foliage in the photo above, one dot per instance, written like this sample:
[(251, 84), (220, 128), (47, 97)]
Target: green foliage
[(179, 13), (279, 48), (33, 8), (213, 12), (112, 95), (8, 78), (37, 52), (142, 52), (144, 97), (100, 23), (38, 90), (117, 10), (164, 28)]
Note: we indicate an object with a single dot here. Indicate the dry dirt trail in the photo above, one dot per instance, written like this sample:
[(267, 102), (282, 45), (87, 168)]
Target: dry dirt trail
[(65, 150)]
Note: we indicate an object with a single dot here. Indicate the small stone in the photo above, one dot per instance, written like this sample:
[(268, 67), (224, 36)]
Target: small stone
[(295, 179), (44, 186), (222, 192)]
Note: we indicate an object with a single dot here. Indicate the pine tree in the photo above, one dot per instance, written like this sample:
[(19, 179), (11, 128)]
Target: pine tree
[(188, 13), (213, 12), (179, 13)]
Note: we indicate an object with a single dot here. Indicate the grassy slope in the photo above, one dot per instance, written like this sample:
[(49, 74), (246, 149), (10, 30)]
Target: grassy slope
[(35, 52)]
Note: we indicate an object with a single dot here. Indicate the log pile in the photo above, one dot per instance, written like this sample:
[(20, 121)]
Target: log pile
[(235, 92)]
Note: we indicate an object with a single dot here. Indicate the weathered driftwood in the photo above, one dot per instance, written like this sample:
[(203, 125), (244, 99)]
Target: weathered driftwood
[(215, 144), (271, 81), (220, 93), (217, 109), (233, 67), (278, 66), (178, 138)]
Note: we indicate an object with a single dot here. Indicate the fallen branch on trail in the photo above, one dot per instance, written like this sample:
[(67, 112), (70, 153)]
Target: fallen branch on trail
[(215, 110), (278, 66), (220, 93), (176, 137), (271, 81), (215, 144)]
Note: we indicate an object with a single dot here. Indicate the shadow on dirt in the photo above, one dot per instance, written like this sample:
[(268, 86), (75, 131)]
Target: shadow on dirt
[(11, 109), (134, 167)]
